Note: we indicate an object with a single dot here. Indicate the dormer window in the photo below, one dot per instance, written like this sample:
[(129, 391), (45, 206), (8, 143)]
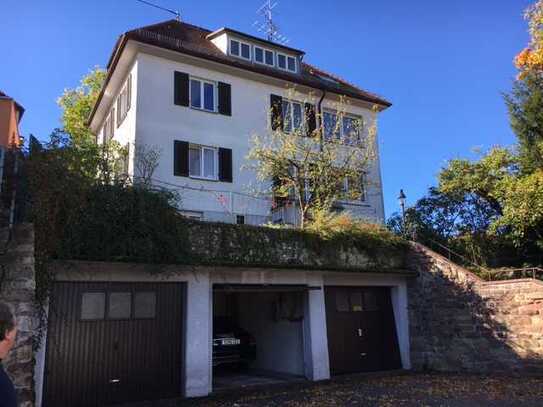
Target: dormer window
[(264, 56), (282, 61), (286, 62), (269, 58), (240, 49)]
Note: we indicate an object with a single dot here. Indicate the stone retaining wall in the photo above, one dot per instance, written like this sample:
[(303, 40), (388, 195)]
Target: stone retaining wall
[(459, 322), (17, 289)]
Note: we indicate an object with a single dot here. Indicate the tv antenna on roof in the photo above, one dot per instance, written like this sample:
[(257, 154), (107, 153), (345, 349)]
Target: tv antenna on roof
[(268, 27), (174, 12)]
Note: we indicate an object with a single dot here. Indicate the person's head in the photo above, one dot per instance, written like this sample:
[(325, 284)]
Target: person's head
[(8, 330)]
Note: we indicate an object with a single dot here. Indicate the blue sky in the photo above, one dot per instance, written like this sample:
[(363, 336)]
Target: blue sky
[(443, 65)]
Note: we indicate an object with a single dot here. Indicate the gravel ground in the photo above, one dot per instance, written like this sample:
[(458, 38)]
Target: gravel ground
[(443, 390)]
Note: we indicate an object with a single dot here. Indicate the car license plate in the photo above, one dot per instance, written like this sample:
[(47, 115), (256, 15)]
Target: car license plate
[(231, 341)]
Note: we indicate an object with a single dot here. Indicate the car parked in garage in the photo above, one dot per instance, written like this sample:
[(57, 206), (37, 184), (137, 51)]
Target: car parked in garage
[(232, 345)]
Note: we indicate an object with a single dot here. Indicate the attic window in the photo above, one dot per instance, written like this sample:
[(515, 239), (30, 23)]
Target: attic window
[(240, 49), (286, 62), (263, 56)]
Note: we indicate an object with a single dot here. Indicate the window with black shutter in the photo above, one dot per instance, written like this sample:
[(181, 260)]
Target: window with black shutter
[(276, 107), (310, 119), (181, 158), (181, 89), (225, 99), (225, 164)]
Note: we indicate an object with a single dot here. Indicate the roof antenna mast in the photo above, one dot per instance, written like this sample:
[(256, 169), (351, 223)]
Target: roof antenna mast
[(268, 27), (174, 12)]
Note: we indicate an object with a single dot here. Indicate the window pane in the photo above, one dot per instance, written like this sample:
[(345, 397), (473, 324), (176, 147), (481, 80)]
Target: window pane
[(209, 96), (195, 97), (93, 305), (269, 57), (259, 54), (291, 64), (351, 129), (209, 163), (245, 51), (297, 115), (330, 124), (120, 305), (144, 305), (281, 61), (234, 47), (194, 161), (342, 301), (356, 301), (287, 121)]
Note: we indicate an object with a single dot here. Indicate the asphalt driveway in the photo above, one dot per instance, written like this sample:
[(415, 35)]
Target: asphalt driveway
[(391, 390), (378, 390)]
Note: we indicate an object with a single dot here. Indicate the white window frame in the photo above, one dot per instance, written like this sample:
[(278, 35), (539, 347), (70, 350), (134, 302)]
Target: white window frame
[(123, 101), (240, 55), (302, 121), (295, 64), (286, 62), (277, 54), (264, 50), (215, 176), (360, 119), (202, 103), (363, 189), (109, 123), (339, 121)]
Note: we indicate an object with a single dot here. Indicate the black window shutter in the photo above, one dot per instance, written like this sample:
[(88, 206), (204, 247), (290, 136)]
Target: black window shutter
[(276, 106), (225, 99), (310, 119), (181, 158), (225, 164), (181, 88)]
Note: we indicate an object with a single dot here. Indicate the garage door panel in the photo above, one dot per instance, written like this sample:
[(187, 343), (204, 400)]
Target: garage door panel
[(361, 329), (98, 358)]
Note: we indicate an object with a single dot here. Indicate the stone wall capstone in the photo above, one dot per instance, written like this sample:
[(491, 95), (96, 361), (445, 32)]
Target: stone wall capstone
[(458, 322), (17, 284)]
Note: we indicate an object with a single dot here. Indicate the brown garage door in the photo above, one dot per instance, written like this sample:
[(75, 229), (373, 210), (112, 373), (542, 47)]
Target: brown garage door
[(113, 342), (361, 329)]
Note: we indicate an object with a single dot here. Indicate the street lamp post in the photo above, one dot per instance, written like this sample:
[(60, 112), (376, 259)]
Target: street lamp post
[(401, 199)]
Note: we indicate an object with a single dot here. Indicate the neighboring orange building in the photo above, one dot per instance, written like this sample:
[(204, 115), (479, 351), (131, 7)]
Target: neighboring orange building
[(11, 113)]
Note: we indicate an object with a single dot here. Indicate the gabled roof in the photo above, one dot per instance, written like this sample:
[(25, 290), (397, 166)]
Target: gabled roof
[(17, 105), (192, 40)]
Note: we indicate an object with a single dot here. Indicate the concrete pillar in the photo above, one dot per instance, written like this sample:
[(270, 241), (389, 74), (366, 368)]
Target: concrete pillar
[(197, 341), (317, 364)]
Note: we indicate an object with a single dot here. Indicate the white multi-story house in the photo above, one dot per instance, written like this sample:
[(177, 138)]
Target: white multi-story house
[(118, 333), (197, 96)]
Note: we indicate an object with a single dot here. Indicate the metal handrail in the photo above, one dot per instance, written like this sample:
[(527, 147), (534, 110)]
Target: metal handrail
[(465, 259), (525, 272)]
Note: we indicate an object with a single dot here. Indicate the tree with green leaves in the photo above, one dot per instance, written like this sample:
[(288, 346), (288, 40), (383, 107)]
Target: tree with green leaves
[(77, 104), (525, 106), (310, 168)]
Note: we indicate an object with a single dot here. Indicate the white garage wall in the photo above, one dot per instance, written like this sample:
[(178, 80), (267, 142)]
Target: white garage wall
[(279, 343)]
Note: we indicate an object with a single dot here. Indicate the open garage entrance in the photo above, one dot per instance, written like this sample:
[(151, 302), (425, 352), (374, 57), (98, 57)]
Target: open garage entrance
[(258, 334), (361, 330)]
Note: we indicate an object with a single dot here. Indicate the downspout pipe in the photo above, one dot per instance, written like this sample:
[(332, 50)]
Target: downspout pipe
[(319, 115)]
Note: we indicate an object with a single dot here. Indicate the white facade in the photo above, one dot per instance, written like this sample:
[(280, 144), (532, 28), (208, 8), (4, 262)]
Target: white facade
[(156, 122)]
